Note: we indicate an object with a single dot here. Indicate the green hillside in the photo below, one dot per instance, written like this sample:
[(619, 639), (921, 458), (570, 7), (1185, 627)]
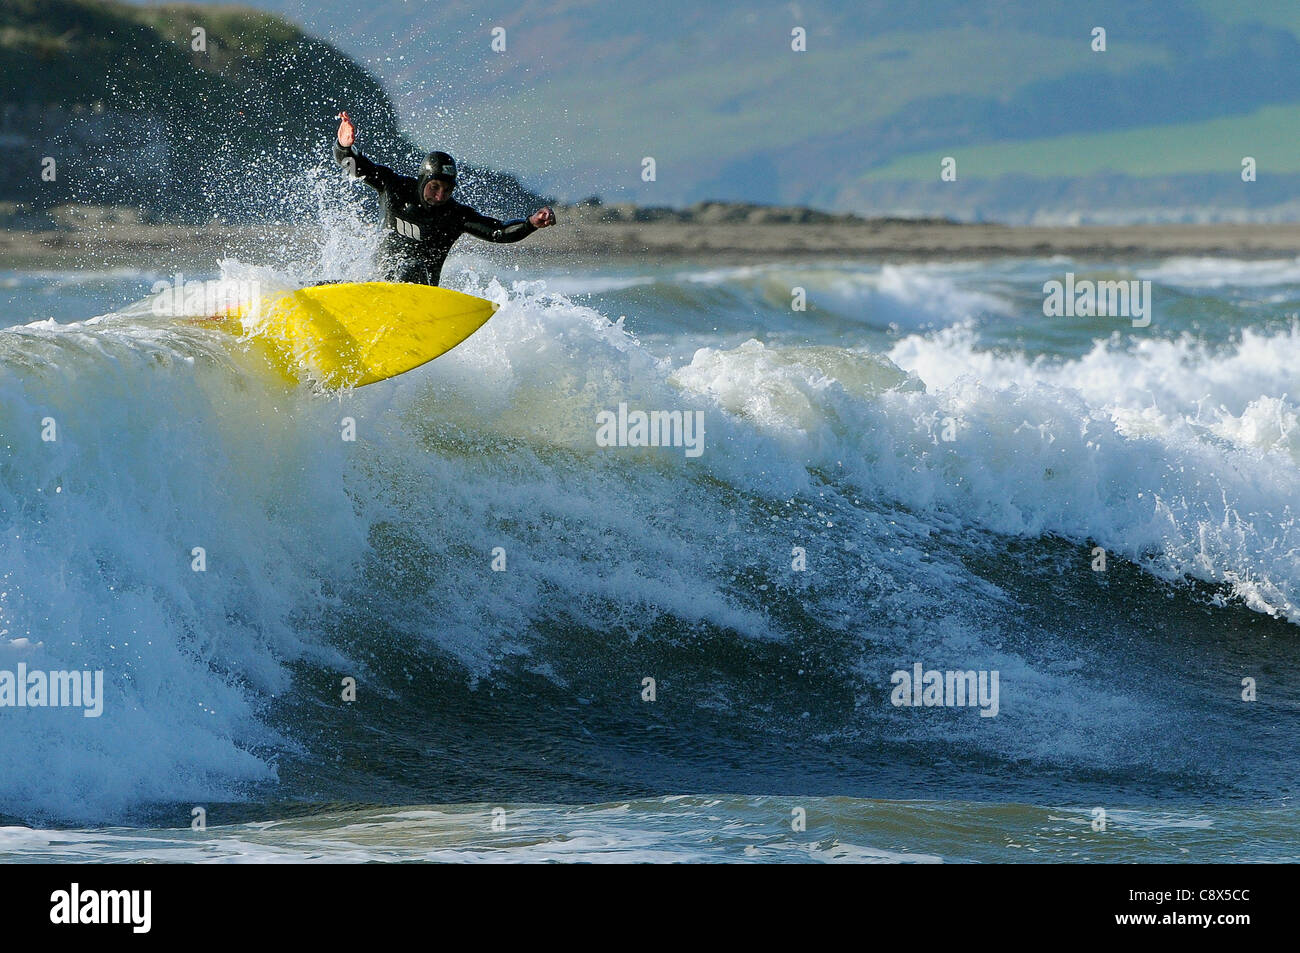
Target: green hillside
[(1215, 146)]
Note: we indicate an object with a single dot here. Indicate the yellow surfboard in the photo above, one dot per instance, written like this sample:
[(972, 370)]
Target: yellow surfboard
[(350, 335)]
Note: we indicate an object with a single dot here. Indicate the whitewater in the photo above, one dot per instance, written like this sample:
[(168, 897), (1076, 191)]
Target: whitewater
[(919, 468)]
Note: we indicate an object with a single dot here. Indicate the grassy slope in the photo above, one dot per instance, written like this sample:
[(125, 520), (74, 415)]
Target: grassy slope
[(1216, 145)]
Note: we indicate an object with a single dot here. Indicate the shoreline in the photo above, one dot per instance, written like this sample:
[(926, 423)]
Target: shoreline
[(581, 239)]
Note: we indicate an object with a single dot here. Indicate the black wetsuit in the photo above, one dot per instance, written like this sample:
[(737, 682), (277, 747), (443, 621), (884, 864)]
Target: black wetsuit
[(418, 236)]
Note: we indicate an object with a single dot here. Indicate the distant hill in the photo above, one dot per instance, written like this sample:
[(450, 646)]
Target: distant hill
[(133, 114), (585, 89)]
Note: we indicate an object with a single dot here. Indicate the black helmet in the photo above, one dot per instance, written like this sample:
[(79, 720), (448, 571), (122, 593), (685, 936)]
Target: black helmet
[(437, 165)]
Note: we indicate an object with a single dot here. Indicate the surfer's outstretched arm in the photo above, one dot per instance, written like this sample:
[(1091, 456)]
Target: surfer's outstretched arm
[(494, 230), (346, 154)]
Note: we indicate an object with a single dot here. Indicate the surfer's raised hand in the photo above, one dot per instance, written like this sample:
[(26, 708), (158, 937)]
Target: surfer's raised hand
[(347, 131), (542, 217)]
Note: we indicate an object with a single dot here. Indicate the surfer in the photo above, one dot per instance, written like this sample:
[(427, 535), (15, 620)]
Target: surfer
[(421, 219)]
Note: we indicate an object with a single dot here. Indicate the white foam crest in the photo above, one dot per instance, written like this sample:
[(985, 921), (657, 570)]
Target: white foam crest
[(782, 388), (1137, 378), (1166, 453), (1171, 453), (928, 291), (576, 284), (1223, 272)]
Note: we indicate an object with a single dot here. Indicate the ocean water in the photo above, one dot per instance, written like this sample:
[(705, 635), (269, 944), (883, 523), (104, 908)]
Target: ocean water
[(919, 468)]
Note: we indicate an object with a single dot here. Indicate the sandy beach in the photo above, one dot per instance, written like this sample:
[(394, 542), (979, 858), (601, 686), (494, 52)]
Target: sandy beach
[(587, 234)]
